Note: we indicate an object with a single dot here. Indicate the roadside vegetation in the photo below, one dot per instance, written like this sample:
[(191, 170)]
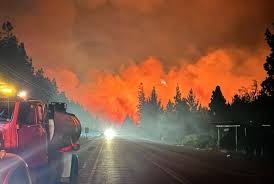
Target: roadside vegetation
[(184, 121)]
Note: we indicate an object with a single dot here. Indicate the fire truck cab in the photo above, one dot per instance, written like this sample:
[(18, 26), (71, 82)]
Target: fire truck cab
[(45, 136), (23, 131)]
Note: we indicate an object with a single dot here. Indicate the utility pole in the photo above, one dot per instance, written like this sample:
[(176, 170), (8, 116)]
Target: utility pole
[(218, 138), (236, 138)]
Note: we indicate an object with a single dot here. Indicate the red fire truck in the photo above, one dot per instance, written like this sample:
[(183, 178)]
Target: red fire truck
[(45, 136)]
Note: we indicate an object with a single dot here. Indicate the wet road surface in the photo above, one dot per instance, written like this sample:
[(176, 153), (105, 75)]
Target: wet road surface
[(125, 161)]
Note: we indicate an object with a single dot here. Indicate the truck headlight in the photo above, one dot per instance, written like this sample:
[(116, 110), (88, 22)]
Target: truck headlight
[(109, 134)]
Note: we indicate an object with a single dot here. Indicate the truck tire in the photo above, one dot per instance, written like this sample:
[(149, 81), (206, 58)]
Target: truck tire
[(74, 174)]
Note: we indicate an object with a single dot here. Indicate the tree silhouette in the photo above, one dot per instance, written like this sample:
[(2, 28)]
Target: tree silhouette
[(191, 101), (141, 101), (7, 28), (217, 105), (265, 102), (16, 68), (169, 106), (178, 96), (239, 109), (268, 83), (180, 104), (154, 105)]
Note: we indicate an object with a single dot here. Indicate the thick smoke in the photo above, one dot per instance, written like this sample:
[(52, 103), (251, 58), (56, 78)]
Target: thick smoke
[(114, 96), (97, 49)]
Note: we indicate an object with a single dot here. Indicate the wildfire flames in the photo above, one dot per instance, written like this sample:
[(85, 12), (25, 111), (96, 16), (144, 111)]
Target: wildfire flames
[(114, 96)]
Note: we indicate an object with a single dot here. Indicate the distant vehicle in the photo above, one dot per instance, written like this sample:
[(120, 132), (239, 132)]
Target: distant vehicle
[(44, 136), (13, 169)]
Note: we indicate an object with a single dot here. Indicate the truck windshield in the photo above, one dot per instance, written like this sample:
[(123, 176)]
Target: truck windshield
[(6, 110)]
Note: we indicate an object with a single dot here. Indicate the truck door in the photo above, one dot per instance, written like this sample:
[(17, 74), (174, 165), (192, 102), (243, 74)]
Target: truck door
[(32, 141)]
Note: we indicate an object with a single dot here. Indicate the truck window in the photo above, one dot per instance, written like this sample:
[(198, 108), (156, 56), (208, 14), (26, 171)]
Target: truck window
[(27, 115), (39, 114), (6, 110)]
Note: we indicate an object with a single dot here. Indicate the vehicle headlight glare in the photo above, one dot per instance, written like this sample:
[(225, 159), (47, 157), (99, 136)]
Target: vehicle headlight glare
[(109, 134)]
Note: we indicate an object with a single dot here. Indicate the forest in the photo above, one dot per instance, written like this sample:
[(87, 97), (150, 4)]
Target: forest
[(183, 121), (16, 68)]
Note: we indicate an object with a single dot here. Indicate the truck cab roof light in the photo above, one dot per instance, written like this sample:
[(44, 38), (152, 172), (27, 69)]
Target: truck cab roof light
[(22, 94), (7, 91)]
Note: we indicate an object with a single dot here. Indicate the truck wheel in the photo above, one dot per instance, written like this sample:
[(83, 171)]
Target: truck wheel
[(74, 175)]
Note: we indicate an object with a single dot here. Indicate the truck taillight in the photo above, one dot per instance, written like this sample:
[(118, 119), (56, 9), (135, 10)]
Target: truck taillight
[(72, 147), (65, 149)]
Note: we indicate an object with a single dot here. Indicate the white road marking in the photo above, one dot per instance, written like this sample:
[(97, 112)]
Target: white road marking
[(149, 156), (95, 164), (169, 172)]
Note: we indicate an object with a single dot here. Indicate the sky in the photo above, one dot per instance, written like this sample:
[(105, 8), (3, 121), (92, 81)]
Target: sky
[(99, 51)]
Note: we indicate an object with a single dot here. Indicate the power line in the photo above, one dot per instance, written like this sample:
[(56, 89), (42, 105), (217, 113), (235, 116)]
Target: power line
[(18, 76)]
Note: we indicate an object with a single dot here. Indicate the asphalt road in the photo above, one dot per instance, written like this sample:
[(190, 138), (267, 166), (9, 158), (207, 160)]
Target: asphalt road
[(125, 161)]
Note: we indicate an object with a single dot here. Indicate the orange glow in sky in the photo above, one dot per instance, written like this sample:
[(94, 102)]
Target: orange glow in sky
[(99, 51), (114, 96)]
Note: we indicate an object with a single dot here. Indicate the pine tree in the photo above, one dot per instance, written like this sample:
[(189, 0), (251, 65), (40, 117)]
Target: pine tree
[(265, 102), (141, 101), (268, 83), (180, 104), (192, 102), (7, 27), (154, 105), (217, 105), (169, 106), (178, 96), (16, 68), (153, 99)]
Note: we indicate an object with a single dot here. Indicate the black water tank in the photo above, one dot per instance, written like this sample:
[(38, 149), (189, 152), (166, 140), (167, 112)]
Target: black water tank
[(65, 129)]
